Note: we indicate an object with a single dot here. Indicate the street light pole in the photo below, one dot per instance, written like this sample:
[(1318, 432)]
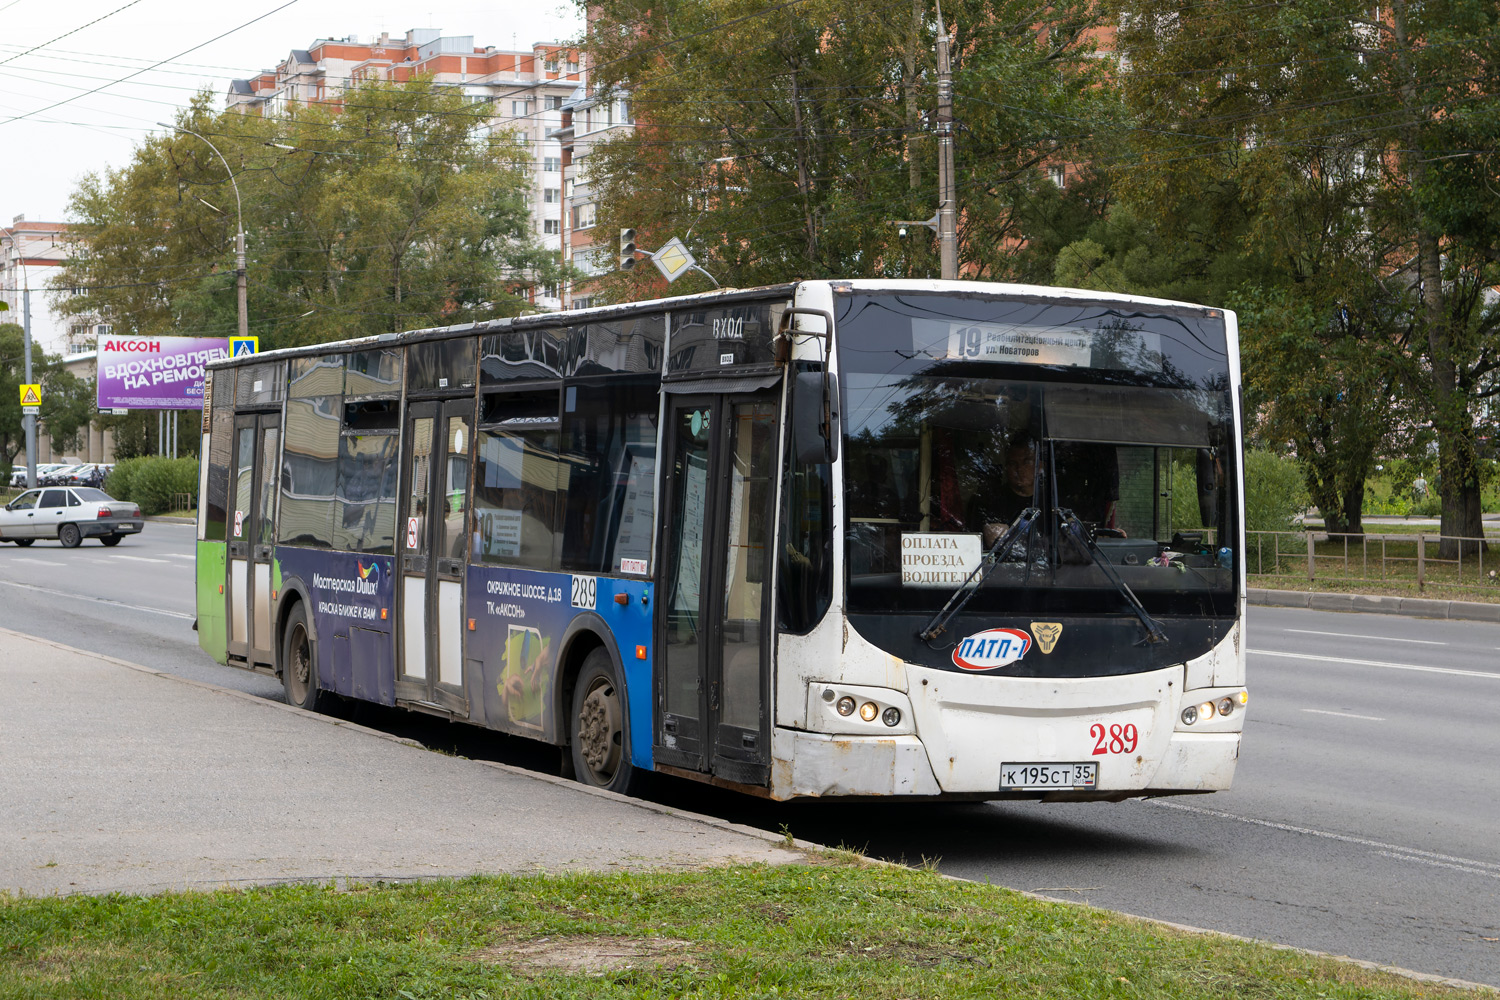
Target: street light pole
[(947, 212), (239, 237)]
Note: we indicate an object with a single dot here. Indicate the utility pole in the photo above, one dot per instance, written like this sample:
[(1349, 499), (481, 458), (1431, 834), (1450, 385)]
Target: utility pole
[(239, 237), (28, 421), (947, 194)]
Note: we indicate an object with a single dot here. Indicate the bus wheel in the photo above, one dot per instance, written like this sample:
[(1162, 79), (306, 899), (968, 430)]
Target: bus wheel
[(299, 665), (600, 731)]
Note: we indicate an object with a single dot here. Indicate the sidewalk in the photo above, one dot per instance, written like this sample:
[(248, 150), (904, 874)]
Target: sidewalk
[(121, 778)]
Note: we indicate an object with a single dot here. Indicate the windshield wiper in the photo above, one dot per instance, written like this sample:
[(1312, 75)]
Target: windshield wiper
[(960, 596), (1075, 529)]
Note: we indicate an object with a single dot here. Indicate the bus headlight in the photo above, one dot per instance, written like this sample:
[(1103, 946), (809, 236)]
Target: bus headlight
[(1190, 715), (868, 711), (845, 705), (891, 717), (1226, 706)]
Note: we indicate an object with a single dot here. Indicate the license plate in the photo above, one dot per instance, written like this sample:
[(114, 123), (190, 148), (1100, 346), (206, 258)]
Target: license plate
[(1027, 776)]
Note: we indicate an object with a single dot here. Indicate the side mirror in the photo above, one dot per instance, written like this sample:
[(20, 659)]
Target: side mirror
[(815, 418)]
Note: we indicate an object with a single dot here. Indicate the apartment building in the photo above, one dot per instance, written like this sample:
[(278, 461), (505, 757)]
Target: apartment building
[(31, 255), (587, 120), (526, 90)]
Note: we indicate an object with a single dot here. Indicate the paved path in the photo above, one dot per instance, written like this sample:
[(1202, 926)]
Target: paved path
[(121, 778)]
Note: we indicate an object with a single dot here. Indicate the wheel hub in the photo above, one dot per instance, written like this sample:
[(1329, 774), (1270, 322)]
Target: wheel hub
[(596, 729)]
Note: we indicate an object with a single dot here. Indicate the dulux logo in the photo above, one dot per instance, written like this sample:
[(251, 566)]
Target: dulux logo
[(995, 647)]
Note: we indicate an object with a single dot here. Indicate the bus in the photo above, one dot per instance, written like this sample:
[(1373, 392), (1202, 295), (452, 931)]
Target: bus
[(829, 538)]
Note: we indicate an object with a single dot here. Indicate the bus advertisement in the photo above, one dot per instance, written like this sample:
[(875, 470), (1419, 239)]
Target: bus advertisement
[(831, 538)]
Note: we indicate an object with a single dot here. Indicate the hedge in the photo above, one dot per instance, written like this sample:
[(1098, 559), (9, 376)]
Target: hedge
[(154, 482)]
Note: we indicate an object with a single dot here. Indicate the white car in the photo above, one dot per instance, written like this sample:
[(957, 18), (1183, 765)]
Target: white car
[(68, 514), (18, 473)]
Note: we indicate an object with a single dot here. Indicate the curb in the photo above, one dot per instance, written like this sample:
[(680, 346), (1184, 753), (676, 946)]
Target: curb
[(1412, 607), (168, 519), (784, 841)]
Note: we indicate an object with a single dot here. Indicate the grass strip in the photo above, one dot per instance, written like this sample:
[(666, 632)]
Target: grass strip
[(836, 929)]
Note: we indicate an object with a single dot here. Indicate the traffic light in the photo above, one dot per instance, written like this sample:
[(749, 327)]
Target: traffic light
[(627, 249)]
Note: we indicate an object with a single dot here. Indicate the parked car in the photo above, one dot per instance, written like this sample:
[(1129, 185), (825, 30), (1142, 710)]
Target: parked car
[(58, 476), (18, 473), (89, 474), (69, 515)]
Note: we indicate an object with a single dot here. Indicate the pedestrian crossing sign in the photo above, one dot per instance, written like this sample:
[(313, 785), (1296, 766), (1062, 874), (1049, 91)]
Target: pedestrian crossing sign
[(243, 347), (31, 394)]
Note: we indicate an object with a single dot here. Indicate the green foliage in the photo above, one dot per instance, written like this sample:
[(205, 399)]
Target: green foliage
[(67, 401), (1275, 494), (815, 931), (782, 143), (397, 210), (154, 483)]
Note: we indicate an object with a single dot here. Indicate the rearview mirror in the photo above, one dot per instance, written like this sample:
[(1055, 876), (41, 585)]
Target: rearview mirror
[(815, 418)]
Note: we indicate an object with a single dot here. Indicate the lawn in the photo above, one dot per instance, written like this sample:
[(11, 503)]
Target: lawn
[(832, 927)]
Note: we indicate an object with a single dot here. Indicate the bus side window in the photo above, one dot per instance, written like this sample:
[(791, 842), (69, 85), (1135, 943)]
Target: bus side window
[(519, 481), (609, 448), (805, 574)]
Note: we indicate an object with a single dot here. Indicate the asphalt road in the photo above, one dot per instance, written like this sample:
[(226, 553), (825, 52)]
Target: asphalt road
[(1363, 820)]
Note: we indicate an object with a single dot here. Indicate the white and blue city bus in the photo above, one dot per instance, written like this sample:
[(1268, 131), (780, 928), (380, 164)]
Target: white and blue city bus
[(830, 538)]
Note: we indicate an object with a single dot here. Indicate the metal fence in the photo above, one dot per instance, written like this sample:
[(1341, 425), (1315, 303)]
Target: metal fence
[(1418, 560)]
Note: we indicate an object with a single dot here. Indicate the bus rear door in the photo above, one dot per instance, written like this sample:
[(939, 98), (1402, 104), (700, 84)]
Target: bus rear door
[(252, 536), (713, 678)]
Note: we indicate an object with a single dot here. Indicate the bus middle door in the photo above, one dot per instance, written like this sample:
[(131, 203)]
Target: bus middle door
[(713, 679), (434, 546)]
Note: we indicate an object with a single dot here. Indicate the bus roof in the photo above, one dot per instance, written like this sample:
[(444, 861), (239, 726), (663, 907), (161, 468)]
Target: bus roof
[(596, 313)]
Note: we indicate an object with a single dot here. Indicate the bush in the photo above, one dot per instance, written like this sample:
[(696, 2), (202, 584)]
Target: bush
[(1275, 492), (153, 483)]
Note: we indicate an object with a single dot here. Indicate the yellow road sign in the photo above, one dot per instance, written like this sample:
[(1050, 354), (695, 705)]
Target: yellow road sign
[(31, 394)]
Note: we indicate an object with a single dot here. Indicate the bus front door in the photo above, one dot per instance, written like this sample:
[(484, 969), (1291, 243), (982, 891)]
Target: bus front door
[(252, 537), (712, 625), (434, 546)]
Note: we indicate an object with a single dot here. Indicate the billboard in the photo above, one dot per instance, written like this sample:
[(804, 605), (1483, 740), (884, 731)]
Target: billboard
[(155, 373)]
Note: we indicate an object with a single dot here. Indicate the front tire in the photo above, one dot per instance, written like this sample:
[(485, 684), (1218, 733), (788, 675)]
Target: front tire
[(23, 542), (299, 663), (69, 535), (599, 729)]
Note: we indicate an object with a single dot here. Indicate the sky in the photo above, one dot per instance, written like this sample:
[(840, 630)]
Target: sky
[(80, 45)]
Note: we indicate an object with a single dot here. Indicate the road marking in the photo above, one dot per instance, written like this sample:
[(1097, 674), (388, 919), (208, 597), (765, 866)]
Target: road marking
[(1377, 663), (1344, 715), (1438, 864), (55, 563), (141, 559), (180, 555), (1356, 635), (1411, 853), (96, 600)]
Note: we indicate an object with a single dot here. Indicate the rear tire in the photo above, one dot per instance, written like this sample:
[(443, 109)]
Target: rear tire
[(599, 730), (109, 539), (299, 663), (69, 535)]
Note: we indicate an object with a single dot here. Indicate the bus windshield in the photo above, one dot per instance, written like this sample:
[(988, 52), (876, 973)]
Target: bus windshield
[(960, 412)]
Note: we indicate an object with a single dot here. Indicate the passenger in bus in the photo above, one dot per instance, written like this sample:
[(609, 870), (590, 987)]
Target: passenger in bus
[(993, 509)]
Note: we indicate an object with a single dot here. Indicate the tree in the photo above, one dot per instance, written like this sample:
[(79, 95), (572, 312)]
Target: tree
[(1357, 150), (67, 401), (783, 142), (394, 210)]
